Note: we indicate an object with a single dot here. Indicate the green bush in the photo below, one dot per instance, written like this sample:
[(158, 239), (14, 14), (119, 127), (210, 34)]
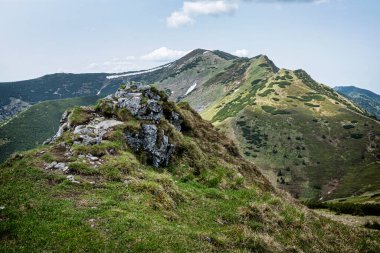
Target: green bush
[(356, 135), (312, 105), (348, 126), (372, 225), (283, 84), (254, 82), (359, 209), (272, 110), (266, 93)]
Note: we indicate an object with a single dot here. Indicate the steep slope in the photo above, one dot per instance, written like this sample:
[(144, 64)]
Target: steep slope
[(364, 98), (141, 174), (304, 136), (33, 126)]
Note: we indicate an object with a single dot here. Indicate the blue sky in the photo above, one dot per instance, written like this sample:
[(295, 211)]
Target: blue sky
[(336, 41)]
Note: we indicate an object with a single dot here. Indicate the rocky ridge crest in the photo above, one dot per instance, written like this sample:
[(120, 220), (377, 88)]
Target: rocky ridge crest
[(138, 102)]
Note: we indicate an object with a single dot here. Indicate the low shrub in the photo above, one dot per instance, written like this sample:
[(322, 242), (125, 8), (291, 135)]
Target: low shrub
[(272, 110), (357, 135), (372, 225), (311, 105), (359, 209), (266, 93)]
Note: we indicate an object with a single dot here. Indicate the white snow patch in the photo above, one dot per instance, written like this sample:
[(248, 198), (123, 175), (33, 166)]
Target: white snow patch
[(205, 52), (57, 92), (192, 87), (137, 73)]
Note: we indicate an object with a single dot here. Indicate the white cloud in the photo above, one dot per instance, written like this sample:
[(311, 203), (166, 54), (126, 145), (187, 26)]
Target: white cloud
[(177, 19), (209, 7), (191, 9), (241, 52), (163, 54), (133, 63)]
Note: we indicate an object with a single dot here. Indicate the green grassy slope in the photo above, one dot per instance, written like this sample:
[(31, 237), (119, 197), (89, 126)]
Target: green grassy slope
[(306, 138), (35, 125), (209, 199)]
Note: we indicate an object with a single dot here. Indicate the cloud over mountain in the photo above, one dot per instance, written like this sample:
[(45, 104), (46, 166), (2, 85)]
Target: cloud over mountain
[(192, 9), (163, 54)]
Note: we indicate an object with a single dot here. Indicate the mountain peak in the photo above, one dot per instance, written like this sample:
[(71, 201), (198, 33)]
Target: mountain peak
[(265, 59), (201, 51)]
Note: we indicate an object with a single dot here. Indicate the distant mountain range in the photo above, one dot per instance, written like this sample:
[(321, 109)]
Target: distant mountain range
[(304, 136), (366, 99)]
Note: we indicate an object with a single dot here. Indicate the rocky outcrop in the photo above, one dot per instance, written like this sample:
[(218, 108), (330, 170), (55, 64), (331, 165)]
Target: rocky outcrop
[(64, 126), (93, 132), (142, 102), (154, 142), (87, 134)]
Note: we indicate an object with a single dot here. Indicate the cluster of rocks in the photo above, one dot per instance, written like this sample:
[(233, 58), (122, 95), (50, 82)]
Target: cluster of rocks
[(147, 139), (87, 134), (57, 166), (61, 167), (93, 132), (72, 179), (144, 103), (93, 160)]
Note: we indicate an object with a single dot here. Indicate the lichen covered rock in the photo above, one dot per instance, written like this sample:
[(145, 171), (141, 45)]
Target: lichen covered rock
[(158, 149), (139, 105)]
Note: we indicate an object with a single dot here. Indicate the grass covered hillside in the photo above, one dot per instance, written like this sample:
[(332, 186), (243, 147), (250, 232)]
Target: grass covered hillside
[(33, 126), (304, 136), (140, 174)]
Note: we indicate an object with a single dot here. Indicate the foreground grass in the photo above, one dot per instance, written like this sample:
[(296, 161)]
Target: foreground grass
[(143, 210)]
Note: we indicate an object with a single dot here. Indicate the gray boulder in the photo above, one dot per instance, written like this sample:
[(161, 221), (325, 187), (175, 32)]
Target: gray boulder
[(93, 132), (140, 101), (159, 150), (176, 120)]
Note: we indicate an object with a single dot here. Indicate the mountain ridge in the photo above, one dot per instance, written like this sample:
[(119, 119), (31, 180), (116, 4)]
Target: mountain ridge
[(312, 116)]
